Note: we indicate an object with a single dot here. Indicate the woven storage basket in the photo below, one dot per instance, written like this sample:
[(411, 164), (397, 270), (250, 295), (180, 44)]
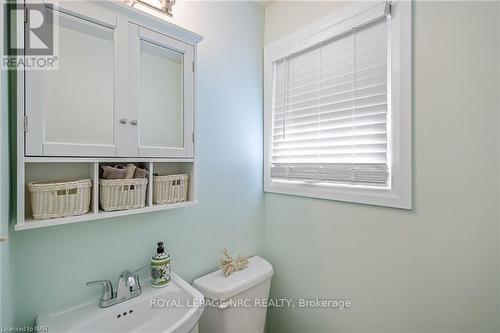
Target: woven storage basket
[(119, 194), (170, 188), (57, 198)]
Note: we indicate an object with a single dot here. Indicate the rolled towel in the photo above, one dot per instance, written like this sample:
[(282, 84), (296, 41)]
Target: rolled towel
[(141, 173), (130, 171), (110, 172)]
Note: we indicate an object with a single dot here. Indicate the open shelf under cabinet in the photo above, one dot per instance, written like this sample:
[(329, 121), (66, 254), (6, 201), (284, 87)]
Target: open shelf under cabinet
[(82, 168)]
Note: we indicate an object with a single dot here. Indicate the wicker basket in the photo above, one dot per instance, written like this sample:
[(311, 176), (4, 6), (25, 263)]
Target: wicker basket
[(119, 194), (57, 198), (170, 188)]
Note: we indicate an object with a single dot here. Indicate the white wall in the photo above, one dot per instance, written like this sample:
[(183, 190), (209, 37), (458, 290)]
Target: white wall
[(431, 269)]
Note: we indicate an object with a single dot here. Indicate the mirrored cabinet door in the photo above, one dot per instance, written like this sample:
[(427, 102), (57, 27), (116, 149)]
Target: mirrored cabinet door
[(161, 97), (71, 109), (164, 94)]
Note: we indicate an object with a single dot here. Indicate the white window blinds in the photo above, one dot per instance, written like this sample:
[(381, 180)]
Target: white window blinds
[(330, 110)]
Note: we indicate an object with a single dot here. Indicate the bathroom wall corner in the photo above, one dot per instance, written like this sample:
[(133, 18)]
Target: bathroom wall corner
[(6, 281)]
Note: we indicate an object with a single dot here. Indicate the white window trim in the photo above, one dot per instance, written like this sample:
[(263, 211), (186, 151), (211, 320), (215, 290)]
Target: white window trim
[(399, 193)]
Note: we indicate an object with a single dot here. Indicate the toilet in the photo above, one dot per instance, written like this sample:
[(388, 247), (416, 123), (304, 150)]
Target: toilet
[(236, 304)]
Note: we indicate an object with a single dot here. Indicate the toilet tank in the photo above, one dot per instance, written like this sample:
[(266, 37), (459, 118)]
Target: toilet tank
[(236, 304)]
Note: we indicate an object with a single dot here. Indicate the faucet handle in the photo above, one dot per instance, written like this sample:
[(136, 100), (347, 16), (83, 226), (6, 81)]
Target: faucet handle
[(137, 274), (107, 288)]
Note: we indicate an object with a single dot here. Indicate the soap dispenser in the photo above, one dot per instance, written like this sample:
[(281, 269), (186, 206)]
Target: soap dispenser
[(160, 267)]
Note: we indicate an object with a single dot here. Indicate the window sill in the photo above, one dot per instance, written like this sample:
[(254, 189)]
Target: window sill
[(356, 194)]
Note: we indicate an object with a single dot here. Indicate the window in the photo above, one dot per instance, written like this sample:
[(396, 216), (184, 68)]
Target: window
[(338, 108)]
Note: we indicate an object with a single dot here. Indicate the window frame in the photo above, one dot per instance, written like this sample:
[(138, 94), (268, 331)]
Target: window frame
[(399, 193)]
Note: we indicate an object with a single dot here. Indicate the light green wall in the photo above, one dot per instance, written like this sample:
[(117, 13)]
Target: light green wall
[(51, 265), (432, 269), (6, 309)]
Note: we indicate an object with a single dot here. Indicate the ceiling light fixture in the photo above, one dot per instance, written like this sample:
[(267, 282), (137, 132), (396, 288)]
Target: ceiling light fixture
[(162, 6)]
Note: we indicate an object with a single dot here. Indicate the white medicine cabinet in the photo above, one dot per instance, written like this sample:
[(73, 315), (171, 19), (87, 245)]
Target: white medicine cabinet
[(122, 89), (123, 92)]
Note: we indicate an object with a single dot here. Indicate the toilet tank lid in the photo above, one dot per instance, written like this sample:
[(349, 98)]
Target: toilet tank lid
[(216, 286)]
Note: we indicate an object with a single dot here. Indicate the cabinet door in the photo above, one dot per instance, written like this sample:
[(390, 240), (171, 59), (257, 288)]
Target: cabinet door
[(71, 110), (163, 93)]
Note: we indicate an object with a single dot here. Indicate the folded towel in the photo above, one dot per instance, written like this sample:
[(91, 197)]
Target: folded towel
[(110, 172), (130, 171), (141, 173)]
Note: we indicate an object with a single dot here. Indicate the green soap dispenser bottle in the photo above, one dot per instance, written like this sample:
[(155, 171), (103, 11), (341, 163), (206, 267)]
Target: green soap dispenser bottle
[(160, 267)]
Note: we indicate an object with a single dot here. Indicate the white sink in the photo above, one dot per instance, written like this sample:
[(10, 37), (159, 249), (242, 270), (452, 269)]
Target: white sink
[(178, 309)]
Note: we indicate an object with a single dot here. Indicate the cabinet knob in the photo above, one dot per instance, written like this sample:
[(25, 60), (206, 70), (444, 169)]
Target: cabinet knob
[(133, 122), (123, 120)]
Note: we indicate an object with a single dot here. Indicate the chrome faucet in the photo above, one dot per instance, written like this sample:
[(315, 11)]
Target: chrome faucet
[(128, 287)]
